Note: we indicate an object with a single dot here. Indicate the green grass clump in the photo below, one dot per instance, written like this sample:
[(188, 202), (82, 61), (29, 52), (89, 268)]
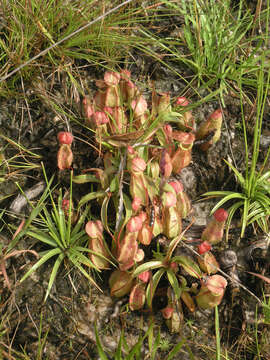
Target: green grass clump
[(29, 28), (217, 42), (253, 201)]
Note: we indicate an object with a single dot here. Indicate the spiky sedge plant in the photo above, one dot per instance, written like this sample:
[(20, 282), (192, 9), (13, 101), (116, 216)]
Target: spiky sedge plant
[(253, 202), (64, 239)]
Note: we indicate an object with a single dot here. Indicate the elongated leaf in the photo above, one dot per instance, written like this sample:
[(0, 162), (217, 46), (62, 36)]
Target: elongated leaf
[(80, 222), (263, 199), (57, 263), (41, 236), (231, 213), (83, 249), (176, 350), (82, 270), (34, 213), (155, 347), (174, 283), (44, 258), (128, 208), (118, 353), (101, 352), (244, 217), (51, 226), (104, 213), (80, 238), (189, 265), (76, 255), (151, 288), (85, 178), (137, 348), (239, 176), (150, 265), (262, 178), (91, 196), (227, 198)]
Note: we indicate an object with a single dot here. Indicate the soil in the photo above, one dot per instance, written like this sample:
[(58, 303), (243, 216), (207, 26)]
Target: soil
[(73, 307)]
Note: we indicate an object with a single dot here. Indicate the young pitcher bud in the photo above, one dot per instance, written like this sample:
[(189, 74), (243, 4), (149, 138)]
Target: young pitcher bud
[(134, 224), (144, 276), (138, 165), (145, 234), (88, 108), (177, 185), (211, 292), (127, 251), (139, 256), (139, 106), (65, 137), (137, 297), (94, 229), (168, 199), (100, 118), (167, 312), (213, 233), (187, 121), (204, 247), (172, 223), (64, 157), (212, 124), (165, 164), (182, 156), (208, 263), (111, 78), (120, 283)]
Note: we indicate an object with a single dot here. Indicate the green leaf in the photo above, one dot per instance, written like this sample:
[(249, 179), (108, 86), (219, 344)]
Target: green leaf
[(150, 265), (114, 185), (57, 263), (189, 265), (41, 236), (80, 222), (262, 178), (104, 212), (176, 350), (76, 256), (75, 261), (85, 178), (91, 196), (101, 353), (231, 213), (151, 288), (263, 199), (227, 198), (136, 349), (44, 258), (128, 208), (174, 283), (244, 217), (155, 346), (237, 173), (51, 226), (118, 353)]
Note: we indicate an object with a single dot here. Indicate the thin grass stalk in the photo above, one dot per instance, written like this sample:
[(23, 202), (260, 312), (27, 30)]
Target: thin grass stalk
[(69, 210), (217, 334)]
